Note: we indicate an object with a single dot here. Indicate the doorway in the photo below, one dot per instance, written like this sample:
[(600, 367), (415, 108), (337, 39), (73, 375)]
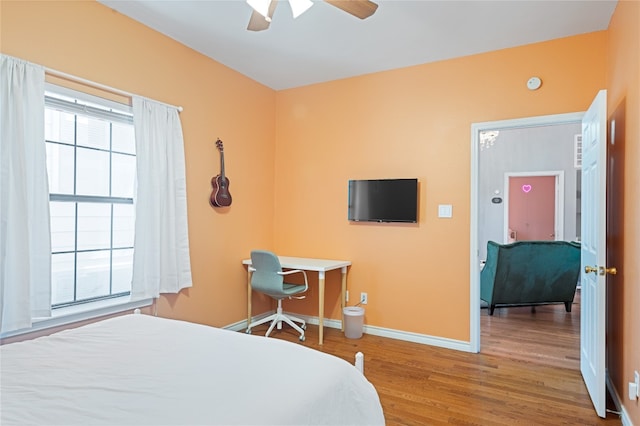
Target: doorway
[(537, 151), (534, 206)]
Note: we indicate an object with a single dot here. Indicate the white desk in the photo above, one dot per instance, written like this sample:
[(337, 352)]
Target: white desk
[(318, 265)]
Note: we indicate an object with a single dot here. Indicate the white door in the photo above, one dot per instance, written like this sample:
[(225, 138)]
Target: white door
[(593, 236)]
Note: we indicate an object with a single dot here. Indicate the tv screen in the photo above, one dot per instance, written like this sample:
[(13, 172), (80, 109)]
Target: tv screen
[(383, 200)]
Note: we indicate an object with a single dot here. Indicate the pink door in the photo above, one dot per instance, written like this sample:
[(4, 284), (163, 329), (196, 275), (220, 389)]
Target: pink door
[(532, 201)]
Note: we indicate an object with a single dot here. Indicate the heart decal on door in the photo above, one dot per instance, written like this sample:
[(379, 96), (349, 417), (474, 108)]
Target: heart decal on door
[(526, 188)]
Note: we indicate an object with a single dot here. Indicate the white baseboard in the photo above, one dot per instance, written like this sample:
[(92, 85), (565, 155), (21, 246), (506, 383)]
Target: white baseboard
[(624, 416), (241, 325), (376, 331)]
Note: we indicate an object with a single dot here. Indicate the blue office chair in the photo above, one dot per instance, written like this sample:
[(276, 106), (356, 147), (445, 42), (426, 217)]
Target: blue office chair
[(267, 277)]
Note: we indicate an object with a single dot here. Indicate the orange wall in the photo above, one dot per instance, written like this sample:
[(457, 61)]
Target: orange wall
[(289, 168), (623, 83), (411, 122), (89, 40)]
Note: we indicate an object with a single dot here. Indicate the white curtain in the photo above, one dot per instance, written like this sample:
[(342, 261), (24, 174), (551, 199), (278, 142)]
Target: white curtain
[(25, 237), (161, 262)]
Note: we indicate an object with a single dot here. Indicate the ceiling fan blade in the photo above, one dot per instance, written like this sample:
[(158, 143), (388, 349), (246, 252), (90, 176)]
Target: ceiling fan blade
[(257, 22), (359, 8)]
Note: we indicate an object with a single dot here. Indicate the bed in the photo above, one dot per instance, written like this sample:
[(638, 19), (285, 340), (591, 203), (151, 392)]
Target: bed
[(139, 369)]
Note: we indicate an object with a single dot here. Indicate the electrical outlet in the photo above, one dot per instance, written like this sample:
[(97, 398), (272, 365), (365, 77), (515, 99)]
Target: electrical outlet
[(363, 298), (346, 296), (634, 387)]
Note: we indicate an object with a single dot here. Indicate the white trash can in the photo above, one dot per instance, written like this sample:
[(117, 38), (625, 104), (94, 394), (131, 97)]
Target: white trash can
[(353, 322)]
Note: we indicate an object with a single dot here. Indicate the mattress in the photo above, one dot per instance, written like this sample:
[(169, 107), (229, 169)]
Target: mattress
[(143, 370)]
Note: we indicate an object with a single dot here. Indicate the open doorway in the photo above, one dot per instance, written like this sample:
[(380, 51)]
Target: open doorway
[(527, 145)]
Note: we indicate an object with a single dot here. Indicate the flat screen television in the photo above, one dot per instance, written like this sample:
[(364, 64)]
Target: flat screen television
[(383, 200)]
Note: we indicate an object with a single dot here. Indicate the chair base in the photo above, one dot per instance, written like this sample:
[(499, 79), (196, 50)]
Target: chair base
[(277, 319)]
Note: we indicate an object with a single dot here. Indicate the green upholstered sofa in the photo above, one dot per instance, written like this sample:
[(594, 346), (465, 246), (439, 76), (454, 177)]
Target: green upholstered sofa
[(529, 273)]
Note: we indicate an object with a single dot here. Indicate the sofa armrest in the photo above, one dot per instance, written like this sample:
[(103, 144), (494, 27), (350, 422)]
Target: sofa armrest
[(488, 273)]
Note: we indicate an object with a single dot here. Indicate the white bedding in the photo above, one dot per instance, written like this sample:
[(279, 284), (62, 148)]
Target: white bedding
[(139, 369)]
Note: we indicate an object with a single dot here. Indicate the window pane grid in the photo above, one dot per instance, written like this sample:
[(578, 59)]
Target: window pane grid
[(89, 272), (91, 166)]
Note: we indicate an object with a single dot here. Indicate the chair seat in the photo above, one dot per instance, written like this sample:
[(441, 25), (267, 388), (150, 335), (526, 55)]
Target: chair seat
[(287, 290), (291, 289)]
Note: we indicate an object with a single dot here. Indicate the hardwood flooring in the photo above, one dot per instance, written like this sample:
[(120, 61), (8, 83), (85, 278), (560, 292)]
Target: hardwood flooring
[(526, 373)]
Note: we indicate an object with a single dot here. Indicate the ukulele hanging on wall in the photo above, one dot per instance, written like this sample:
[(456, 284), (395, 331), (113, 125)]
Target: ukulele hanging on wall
[(220, 196)]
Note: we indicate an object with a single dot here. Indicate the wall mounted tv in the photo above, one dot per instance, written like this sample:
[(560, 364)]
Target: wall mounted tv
[(383, 200)]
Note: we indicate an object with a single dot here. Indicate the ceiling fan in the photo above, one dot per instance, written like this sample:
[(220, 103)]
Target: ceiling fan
[(263, 10)]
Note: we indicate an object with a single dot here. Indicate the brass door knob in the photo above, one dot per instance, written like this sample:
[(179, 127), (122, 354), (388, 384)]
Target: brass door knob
[(589, 269), (610, 271)]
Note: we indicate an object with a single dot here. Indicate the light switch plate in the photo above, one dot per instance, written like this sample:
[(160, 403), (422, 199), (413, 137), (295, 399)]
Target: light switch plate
[(445, 210)]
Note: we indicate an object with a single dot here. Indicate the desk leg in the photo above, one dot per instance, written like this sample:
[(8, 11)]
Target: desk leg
[(321, 306), (248, 297), (343, 298)]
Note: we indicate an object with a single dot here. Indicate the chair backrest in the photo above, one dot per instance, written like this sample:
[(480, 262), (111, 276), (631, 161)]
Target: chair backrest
[(265, 277), (531, 271)]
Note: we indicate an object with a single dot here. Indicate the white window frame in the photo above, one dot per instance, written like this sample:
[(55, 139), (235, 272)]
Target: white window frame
[(84, 310)]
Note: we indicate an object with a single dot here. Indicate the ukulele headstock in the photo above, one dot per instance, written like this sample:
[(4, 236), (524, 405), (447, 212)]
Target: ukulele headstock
[(219, 145)]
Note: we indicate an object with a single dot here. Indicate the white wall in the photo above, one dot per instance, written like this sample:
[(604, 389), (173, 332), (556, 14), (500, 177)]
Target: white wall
[(527, 149)]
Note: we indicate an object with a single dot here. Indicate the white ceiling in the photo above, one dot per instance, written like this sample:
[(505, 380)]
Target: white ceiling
[(326, 43)]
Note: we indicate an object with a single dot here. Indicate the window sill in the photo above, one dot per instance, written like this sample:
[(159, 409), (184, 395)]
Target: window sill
[(88, 311)]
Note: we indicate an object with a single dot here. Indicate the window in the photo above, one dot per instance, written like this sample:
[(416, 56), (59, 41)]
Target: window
[(91, 165)]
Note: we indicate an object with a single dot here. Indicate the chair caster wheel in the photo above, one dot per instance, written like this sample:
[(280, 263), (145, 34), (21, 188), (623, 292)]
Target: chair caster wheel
[(302, 338), (248, 331)]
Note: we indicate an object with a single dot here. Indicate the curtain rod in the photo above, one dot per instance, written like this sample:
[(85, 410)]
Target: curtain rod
[(90, 83)]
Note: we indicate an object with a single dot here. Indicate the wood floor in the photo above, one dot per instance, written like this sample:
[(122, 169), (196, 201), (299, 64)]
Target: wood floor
[(526, 373)]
